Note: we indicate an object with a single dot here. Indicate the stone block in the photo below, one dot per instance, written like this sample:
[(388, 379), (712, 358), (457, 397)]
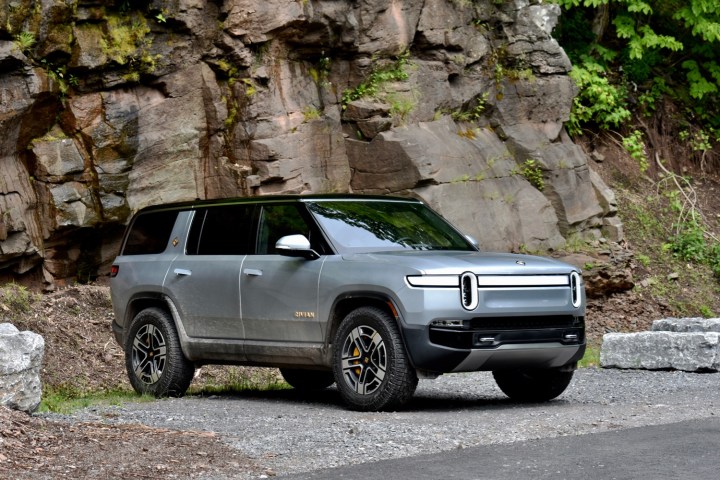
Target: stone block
[(690, 352), (21, 356), (686, 325)]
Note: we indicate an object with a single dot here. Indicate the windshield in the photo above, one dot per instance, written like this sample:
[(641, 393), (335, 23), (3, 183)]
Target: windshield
[(377, 225)]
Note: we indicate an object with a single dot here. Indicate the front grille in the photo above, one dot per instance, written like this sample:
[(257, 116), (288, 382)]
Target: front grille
[(526, 323)]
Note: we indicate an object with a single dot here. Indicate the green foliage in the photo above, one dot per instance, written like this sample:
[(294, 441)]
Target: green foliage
[(127, 43), (647, 45), (635, 146), (393, 72), (691, 241), (599, 101), (649, 219)]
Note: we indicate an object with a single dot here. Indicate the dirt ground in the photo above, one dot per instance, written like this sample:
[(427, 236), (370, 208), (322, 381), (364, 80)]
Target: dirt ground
[(81, 356)]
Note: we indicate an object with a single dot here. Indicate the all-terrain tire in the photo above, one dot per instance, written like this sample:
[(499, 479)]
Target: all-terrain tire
[(307, 379), (153, 358), (372, 369), (533, 385)]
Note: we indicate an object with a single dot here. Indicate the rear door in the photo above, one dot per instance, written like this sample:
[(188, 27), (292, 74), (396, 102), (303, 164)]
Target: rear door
[(204, 283)]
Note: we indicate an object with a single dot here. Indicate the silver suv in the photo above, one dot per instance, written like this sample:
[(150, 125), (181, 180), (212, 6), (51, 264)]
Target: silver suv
[(369, 293)]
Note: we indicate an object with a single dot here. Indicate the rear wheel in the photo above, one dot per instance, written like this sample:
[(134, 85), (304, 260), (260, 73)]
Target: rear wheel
[(533, 385), (307, 379), (372, 369), (153, 357)]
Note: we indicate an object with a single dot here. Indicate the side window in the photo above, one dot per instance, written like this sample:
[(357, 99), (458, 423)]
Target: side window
[(224, 230), (149, 233), (276, 221)]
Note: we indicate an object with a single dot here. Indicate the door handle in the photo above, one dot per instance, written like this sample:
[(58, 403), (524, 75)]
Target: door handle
[(182, 271), (252, 272)]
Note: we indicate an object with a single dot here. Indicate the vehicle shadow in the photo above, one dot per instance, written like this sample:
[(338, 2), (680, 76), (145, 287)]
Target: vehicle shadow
[(422, 401)]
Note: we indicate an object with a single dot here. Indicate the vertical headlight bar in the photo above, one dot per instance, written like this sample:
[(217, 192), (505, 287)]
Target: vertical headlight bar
[(469, 290), (575, 285)]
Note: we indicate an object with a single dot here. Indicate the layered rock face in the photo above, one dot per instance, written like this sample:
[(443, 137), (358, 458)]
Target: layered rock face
[(111, 106)]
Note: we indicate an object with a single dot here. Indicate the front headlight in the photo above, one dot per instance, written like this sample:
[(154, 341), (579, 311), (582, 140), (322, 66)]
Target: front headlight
[(440, 281)]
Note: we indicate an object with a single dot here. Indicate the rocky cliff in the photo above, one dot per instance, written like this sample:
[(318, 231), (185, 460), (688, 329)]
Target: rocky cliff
[(109, 106)]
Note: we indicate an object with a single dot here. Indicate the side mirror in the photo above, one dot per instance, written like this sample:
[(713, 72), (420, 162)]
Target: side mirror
[(296, 246)]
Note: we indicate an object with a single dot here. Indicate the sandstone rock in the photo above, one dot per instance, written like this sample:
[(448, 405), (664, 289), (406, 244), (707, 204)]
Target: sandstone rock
[(691, 352), (88, 51), (243, 97), (21, 356), (58, 157)]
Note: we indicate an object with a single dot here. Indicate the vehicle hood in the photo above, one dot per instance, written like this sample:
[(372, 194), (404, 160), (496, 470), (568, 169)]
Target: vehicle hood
[(480, 263)]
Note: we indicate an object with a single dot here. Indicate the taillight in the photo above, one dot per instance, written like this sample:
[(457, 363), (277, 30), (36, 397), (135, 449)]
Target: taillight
[(114, 271)]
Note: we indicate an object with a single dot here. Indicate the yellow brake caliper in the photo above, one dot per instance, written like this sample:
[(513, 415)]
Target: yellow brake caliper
[(356, 353)]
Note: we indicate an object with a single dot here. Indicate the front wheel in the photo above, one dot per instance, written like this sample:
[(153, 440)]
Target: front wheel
[(372, 369), (153, 357), (533, 385)]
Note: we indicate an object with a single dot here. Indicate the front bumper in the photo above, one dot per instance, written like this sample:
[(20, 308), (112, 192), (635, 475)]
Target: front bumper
[(497, 343)]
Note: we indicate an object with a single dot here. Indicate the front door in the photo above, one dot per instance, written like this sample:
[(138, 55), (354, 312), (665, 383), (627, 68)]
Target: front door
[(279, 295)]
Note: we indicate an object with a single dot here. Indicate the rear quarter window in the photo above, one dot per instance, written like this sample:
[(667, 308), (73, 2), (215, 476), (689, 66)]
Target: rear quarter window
[(149, 233)]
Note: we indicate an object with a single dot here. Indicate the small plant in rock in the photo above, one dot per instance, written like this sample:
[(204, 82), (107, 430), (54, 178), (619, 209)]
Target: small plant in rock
[(401, 106), (25, 40), (394, 72), (311, 113), (530, 169), (320, 72), (475, 113)]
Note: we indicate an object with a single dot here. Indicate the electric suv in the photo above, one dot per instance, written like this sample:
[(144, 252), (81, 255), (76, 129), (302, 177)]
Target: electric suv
[(370, 293)]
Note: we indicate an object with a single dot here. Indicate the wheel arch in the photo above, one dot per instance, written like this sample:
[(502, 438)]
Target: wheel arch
[(136, 305), (348, 302), (157, 300)]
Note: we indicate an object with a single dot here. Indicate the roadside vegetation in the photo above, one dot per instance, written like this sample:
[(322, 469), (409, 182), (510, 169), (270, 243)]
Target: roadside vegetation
[(629, 56), (649, 98)]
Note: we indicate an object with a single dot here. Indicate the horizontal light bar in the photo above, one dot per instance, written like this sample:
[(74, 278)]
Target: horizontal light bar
[(523, 280), (433, 280)]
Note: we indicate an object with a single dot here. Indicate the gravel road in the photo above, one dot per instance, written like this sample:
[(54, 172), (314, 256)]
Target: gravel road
[(287, 433)]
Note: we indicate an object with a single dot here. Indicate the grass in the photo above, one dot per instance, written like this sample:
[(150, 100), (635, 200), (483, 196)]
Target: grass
[(649, 221), (67, 400), (591, 357), (240, 379)]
